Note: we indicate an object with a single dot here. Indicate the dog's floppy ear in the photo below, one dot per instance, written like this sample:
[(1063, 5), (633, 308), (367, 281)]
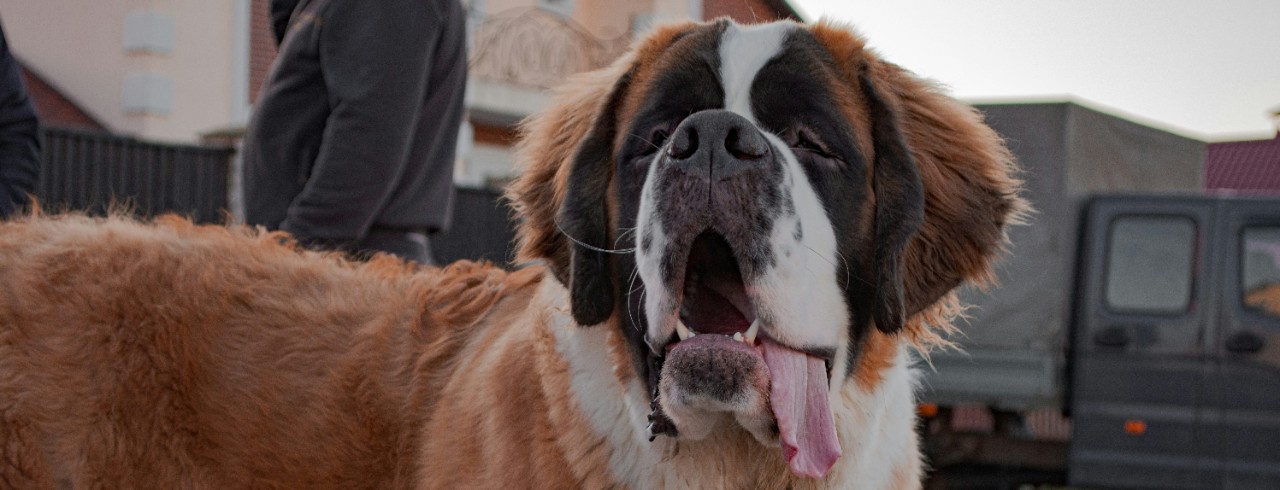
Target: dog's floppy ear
[(584, 216), (970, 192), (561, 193), (899, 209)]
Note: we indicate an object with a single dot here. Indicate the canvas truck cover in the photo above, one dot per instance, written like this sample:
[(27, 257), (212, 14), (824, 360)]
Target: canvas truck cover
[(1015, 338)]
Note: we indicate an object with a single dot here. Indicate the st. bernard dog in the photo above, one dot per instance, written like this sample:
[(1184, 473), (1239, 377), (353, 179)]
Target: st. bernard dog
[(746, 232)]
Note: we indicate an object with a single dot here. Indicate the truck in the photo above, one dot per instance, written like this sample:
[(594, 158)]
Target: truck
[(1133, 340)]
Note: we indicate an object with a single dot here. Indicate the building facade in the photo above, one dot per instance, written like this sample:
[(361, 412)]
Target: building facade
[(165, 70), (184, 71)]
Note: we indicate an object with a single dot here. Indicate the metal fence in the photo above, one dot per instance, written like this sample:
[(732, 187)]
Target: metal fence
[(94, 172), (482, 228)]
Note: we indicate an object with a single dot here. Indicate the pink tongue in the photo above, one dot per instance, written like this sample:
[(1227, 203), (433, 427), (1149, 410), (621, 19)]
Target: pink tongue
[(798, 392)]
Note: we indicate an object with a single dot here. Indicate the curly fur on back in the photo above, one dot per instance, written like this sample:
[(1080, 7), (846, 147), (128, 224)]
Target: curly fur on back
[(181, 356)]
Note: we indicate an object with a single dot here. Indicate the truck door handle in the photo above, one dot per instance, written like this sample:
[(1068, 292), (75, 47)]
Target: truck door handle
[(1245, 343), (1111, 337)]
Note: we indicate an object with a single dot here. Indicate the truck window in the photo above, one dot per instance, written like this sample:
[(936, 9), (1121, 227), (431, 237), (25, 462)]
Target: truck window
[(1260, 274), (1149, 264)]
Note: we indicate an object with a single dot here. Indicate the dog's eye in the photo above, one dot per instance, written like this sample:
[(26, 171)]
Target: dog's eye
[(808, 147), (657, 137), (804, 139)]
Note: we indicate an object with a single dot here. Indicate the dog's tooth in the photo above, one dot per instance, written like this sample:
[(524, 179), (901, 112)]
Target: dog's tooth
[(753, 331), (738, 337), (683, 330)]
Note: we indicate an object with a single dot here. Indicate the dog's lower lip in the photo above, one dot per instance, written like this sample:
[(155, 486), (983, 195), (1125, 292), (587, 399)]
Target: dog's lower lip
[(827, 354)]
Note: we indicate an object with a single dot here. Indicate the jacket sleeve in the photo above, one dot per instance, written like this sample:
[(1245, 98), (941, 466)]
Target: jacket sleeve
[(19, 136), (375, 58)]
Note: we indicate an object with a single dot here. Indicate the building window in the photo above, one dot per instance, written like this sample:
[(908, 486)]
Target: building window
[(148, 31), (562, 7), (147, 94)]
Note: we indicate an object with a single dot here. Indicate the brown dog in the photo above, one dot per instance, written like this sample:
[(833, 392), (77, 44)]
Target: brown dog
[(746, 232)]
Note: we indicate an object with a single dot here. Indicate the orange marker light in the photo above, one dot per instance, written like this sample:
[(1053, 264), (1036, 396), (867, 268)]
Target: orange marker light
[(928, 410), (1135, 427)]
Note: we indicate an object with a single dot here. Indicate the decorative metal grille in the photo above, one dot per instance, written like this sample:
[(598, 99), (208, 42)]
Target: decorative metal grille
[(538, 49)]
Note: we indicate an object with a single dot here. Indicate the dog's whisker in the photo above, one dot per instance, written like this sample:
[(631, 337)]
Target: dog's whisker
[(622, 235), (646, 140), (637, 322), (631, 288), (843, 260), (592, 247)]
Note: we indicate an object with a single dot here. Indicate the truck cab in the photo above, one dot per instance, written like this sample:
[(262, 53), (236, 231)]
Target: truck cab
[(1174, 375)]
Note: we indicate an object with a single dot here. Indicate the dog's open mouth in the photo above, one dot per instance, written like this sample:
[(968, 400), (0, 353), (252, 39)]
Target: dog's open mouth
[(722, 362), (714, 300)]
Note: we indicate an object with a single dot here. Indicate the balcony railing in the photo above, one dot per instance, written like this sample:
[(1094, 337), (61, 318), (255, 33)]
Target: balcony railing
[(537, 49)]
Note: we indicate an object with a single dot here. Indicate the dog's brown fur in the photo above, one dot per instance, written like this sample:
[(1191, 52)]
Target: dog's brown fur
[(175, 356)]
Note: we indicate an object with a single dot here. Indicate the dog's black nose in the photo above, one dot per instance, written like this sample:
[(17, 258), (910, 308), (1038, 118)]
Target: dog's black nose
[(717, 144)]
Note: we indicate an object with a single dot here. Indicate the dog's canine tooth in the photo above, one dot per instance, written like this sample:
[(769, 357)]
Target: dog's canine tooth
[(683, 330), (752, 332)]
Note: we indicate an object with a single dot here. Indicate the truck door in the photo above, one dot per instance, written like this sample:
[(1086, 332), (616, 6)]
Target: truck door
[(1138, 348), (1245, 388)]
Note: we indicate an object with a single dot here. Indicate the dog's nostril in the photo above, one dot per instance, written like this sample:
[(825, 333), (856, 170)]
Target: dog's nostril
[(684, 144), (745, 144)]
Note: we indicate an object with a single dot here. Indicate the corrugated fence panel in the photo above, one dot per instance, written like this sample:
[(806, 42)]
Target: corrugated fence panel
[(93, 172), (482, 228)]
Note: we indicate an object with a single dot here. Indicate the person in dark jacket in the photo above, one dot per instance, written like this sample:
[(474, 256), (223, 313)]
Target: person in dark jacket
[(19, 137), (352, 143)]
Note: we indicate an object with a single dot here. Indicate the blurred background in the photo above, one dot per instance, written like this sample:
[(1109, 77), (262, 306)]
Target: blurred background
[(146, 101), (1135, 339)]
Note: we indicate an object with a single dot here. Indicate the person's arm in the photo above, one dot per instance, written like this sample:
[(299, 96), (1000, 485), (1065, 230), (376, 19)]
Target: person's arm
[(19, 136), (375, 57)]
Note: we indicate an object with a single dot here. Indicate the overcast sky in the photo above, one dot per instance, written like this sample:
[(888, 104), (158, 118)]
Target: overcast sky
[(1208, 69)]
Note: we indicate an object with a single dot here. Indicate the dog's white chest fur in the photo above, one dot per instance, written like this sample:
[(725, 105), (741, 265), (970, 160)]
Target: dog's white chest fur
[(876, 428)]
